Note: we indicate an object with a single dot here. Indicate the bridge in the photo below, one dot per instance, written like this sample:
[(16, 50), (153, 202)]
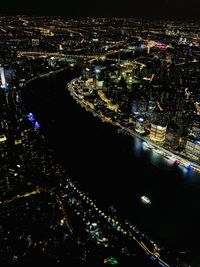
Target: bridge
[(47, 54), (40, 54)]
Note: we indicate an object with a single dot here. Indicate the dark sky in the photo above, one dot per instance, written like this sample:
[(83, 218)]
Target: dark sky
[(181, 9)]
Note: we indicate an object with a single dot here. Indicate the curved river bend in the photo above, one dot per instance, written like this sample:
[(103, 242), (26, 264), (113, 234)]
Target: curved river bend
[(117, 169)]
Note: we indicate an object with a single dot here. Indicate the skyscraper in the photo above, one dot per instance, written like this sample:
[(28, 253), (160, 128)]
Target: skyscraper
[(3, 79), (158, 132)]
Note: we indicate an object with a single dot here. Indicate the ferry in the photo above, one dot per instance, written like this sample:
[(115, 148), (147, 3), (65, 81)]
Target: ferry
[(145, 200)]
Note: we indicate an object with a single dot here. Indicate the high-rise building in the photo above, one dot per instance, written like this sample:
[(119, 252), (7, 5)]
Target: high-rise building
[(172, 139), (192, 148), (3, 79), (158, 132), (35, 42), (139, 125), (173, 134), (195, 131)]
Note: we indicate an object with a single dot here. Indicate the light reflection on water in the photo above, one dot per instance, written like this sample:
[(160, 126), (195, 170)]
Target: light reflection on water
[(131, 169), (174, 193), (140, 149)]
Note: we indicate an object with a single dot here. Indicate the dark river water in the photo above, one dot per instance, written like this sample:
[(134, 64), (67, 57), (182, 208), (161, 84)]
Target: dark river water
[(117, 169)]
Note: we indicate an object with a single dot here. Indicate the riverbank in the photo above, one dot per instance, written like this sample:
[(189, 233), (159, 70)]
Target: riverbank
[(179, 159)]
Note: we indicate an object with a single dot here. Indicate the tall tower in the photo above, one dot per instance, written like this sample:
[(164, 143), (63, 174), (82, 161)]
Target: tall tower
[(3, 79)]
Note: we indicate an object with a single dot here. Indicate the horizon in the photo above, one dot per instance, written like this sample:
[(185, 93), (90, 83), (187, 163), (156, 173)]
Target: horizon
[(153, 9), (136, 17)]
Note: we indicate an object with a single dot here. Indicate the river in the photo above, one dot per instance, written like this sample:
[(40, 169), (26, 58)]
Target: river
[(117, 169)]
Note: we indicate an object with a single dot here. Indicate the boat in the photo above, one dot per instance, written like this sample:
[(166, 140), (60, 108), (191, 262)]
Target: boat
[(145, 200)]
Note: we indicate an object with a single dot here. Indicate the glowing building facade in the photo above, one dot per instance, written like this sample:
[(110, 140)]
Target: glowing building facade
[(158, 133)]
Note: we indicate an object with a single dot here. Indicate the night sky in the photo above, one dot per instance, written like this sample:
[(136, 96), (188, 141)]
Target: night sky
[(180, 9)]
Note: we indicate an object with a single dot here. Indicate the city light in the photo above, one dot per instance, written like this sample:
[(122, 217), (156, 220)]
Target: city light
[(31, 117), (131, 91), (37, 125)]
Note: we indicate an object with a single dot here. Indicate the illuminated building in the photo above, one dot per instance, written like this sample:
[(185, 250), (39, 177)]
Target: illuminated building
[(35, 42), (111, 261), (173, 135), (139, 126), (196, 129), (99, 84), (3, 138), (192, 148), (134, 107), (89, 82), (172, 139), (158, 133), (3, 79)]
